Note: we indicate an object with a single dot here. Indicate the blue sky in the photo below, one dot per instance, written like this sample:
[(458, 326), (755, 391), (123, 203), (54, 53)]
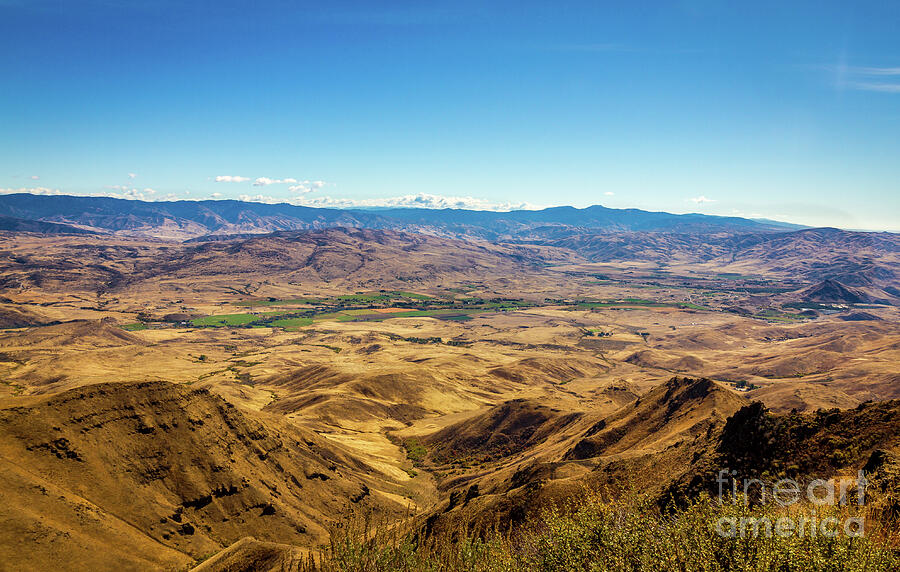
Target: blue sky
[(754, 109)]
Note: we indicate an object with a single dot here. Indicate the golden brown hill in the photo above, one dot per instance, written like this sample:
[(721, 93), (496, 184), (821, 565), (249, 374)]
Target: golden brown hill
[(661, 360), (543, 370), (12, 316), (553, 455), (153, 475), (249, 554), (677, 409), (340, 257), (833, 292), (59, 263), (46, 359), (752, 442), (342, 398), (77, 333), (755, 443), (361, 256), (866, 260), (502, 431)]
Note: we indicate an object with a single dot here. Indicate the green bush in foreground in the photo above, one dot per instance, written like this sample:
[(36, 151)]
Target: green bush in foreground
[(599, 535)]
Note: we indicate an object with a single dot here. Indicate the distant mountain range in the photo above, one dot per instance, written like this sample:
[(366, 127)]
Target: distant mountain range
[(182, 220)]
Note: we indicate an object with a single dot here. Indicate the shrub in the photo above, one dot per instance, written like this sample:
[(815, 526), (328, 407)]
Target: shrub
[(601, 535)]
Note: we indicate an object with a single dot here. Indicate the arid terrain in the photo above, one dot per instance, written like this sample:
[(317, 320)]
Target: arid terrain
[(162, 400)]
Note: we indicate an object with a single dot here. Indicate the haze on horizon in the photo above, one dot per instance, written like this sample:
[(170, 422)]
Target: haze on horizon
[(782, 112)]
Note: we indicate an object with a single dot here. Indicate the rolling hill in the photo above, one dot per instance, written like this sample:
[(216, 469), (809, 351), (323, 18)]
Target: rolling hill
[(869, 261), (155, 475), (353, 257)]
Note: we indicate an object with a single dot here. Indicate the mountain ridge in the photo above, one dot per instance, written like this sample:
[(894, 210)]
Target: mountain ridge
[(191, 219)]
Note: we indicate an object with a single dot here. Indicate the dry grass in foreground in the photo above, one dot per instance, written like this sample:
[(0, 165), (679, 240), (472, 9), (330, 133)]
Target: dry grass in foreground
[(597, 534)]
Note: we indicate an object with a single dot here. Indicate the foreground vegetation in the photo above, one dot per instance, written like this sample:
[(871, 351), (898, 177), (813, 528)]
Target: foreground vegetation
[(609, 535)]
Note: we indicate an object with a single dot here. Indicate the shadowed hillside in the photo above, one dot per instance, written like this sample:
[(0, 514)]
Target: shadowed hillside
[(503, 431), (759, 444), (151, 475), (669, 445)]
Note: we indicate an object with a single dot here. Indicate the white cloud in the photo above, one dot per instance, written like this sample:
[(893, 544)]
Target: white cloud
[(34, 177), (296, 184), (306, 187), (132, 175), (701, 199), (879, 79), (31, 191), (265, 181), (133, 193), (609, 193), (876, 71), (115, 192), (875, 86), (260, 199), (420, 200)]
